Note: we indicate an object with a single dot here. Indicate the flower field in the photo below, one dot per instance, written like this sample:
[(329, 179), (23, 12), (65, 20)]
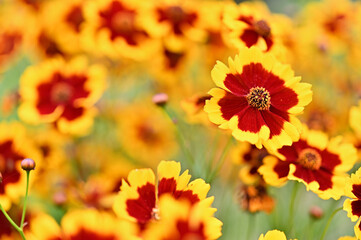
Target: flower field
[(180, 120)]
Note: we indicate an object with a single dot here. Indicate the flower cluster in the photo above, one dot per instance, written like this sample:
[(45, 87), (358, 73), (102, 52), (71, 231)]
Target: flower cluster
[(98, 95)]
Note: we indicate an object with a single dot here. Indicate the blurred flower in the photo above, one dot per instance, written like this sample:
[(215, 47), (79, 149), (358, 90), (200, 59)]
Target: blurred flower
[(319, 163), (138, 198), (82, 224), (273, 235), (251, 24), (255, 198), (180, 220), (257, 98), (14, 147), (249, 157), (145, 134), (193, 107), (116, 28), (63, 93)]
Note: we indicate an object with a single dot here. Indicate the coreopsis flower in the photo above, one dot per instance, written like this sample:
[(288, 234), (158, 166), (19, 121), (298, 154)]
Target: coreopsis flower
[(193, 107), (257, 98), (63, 93), (181, 220), (355, 119), (116, 28), (145, 134), (273, 235), (254, 198), (138, 198), (352, 206), (249, 157), (347, 238), (251, 24), (14, 147), (11, 36), (64, 21), (175, 21), (81, 224), (319, 163)]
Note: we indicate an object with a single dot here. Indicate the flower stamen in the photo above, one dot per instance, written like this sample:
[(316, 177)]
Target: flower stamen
[(259, 97), (310, 159)]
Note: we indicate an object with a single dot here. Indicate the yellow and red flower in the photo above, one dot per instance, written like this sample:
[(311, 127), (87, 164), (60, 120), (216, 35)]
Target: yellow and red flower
[(353, 206), (181, 220), (249, 157), (254, 198), (62, 93), (319, 163), (64, 21), (251, 24), (273, 235), (14, 147), (146, 134), (137, 200), (257, 98), (116, 28), (82, 224)]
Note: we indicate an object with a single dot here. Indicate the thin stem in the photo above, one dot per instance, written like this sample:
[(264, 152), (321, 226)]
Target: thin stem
[(221, 160), (292, 206), (180, 137), (25, 200), (329, 222), (251, 224), (12, 222)]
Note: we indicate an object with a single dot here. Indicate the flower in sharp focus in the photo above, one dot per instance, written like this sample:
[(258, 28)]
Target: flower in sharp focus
[(257, 98), (319, 163), (137, 199), (63, 93)]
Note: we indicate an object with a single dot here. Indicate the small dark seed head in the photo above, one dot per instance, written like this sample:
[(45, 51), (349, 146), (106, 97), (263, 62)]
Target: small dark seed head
[(28, 164)]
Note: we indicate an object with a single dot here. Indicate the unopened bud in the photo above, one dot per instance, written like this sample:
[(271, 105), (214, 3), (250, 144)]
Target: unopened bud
[(28, 164), (160, 99), (316, 212)]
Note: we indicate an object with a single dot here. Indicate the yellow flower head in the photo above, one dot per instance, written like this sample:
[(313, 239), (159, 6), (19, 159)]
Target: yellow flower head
[(319, 163), (62, 92), (257, 98), (181, 220), (137, 199), (14, 147)]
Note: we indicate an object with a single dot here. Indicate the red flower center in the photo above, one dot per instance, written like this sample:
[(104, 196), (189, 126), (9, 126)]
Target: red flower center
[(262, 28), (61, 93), (259, 97), (123, 22), (310, 158)]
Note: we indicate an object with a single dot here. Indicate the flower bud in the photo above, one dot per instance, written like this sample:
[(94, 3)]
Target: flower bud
[(316, 212), (28, 164), (160, 99)]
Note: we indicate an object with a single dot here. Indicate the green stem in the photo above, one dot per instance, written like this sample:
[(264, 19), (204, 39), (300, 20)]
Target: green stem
[(180, 137), (12, 223), (221, 160), (25, 200), (251, 224), (292, 206), (329, 222)]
